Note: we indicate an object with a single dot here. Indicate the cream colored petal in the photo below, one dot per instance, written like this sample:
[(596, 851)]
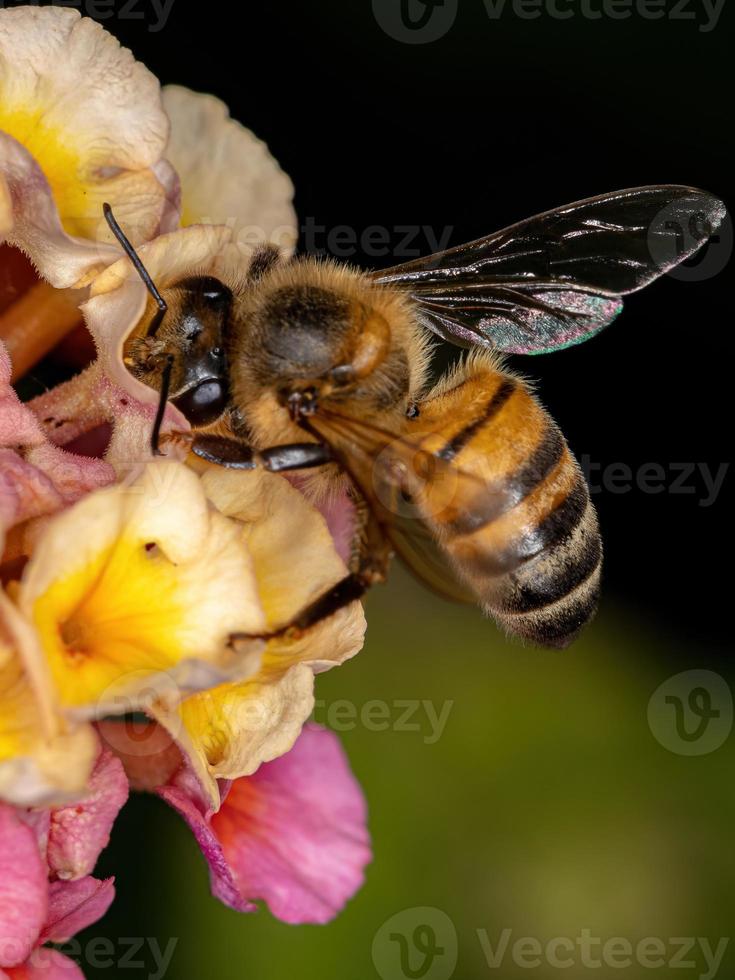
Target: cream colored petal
[(227, 174), (135, 593), (42, 759), (295, 558), (88, 111), (30, 221), (231, 730)]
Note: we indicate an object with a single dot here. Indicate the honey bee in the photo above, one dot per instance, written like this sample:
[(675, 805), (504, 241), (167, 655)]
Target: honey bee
[(311, 365)]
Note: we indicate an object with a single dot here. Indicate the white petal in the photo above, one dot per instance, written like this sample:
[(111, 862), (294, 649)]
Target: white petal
[(227, 174)]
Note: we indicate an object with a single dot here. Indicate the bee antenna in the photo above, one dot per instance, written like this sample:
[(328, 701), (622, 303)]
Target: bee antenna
[(139, 268)]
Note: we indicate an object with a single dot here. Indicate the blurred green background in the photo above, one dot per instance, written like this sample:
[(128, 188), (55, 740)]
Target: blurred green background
[(546, 806)]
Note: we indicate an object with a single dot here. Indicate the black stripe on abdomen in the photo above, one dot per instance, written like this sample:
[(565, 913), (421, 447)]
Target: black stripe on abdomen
[(556, 573), (531, 473), (553, 529), (539, 465), (457, 443)]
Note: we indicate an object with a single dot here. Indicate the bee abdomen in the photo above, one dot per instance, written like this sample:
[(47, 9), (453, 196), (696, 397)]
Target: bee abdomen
[(549, 598), (536, 568), (520, 529)]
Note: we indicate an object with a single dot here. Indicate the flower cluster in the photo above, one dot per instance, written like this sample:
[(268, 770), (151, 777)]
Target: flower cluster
[(144, 600)]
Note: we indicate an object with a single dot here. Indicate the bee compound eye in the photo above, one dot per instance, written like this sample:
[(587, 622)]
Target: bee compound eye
[(203, 403)]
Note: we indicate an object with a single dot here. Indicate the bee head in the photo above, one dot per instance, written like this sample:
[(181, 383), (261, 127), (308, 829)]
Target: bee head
[(202, 389), (191, 334)]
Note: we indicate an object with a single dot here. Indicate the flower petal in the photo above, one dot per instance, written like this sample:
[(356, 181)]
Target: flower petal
[(75, 905), (89, 113), (135, 592), (23, 889), (227, 174), (30, 221), (44, 478), (45, 964), (294, 554), (91, 400), (42, 759), (150, 756), (185, 801), (18, 427), (118, 297), (79, 832), (230, 730), (294, 834)]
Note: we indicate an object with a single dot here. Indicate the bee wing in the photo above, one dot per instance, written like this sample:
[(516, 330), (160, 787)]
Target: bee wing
[(419, 551), (558, 278), (404, 486)]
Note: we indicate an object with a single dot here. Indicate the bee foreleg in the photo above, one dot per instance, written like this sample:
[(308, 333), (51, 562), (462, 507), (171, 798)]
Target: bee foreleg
[(348, 590), (238, 455)]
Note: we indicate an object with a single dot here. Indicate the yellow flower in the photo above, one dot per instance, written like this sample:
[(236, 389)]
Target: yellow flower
[(81, 123), (89, 114), (135, 591), (42, 759), (229, 731)]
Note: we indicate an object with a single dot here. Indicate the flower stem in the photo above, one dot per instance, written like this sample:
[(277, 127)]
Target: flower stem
[(36, 322)]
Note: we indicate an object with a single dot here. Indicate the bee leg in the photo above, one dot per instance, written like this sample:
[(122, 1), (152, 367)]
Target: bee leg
[(238, 455), (348, 590), (371, 551)]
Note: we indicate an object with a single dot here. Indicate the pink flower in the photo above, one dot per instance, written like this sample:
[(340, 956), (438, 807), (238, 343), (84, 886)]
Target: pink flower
[(34, 911), (294, 834), (36, 477)]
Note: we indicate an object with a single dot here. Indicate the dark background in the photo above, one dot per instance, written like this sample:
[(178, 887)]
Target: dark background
[(493, 122), (547, 806)]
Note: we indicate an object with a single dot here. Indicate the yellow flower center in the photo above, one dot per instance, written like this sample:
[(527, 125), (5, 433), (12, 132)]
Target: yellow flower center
[(118, 615), (60, 163)]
